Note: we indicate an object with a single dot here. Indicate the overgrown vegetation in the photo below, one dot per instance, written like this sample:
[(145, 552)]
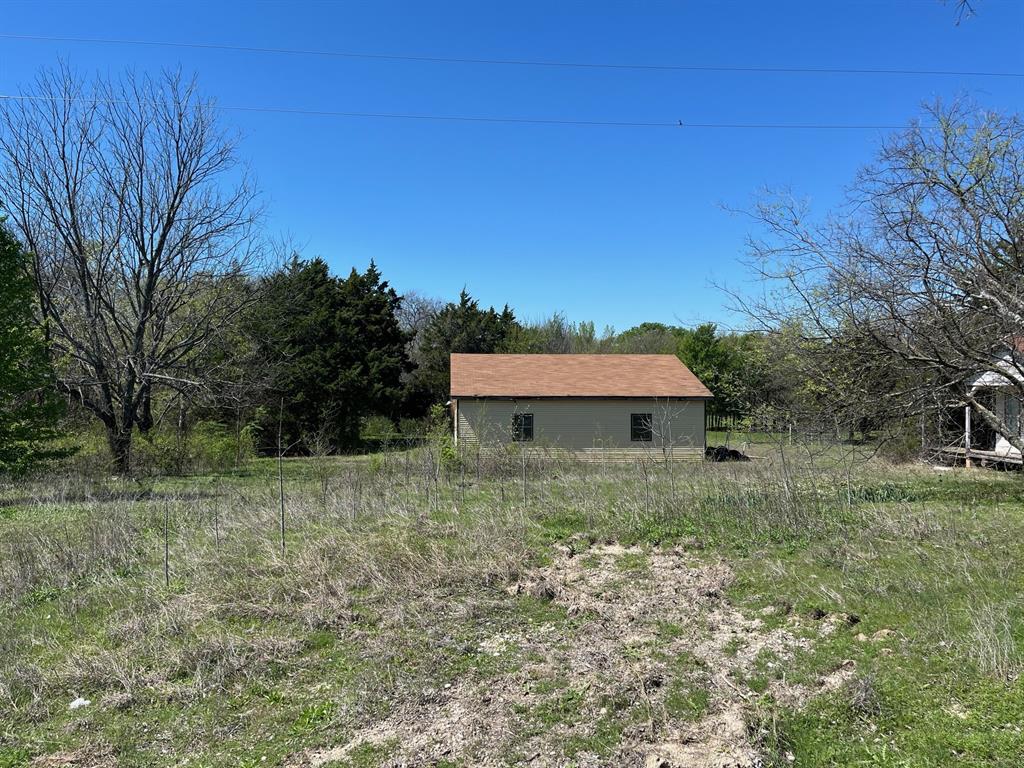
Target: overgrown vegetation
[(177, 317), (426, 606), (333, 351), (29, 405), (809, 608)]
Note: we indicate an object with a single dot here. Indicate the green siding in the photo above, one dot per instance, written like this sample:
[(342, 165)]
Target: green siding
[(578, 424)]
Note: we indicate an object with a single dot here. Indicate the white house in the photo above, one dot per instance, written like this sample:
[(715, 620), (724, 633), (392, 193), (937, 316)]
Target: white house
[(601, 405), (1000, 383)]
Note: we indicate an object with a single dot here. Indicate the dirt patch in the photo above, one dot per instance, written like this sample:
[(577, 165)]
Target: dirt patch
[(649, 671), (94, 757), (719, 740)]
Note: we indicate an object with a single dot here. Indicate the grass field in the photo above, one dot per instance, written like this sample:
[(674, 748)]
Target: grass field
[(799, 609)]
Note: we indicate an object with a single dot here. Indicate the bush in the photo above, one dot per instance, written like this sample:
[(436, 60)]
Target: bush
[(440, 435), (86, 448), (413, 427), (903, 444), (450, 459), (205, 447), (377, 427)]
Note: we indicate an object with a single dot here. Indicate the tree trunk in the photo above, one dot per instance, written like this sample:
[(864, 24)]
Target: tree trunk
[(144, 421), (996, 423), (120, 441)]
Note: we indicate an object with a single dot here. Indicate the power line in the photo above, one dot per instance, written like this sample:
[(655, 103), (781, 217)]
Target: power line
[(508, 120), (517, 62)]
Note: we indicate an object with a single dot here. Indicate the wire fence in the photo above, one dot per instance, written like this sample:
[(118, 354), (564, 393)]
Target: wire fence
[(714, 422)]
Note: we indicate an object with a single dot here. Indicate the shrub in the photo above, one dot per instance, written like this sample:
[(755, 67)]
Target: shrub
[(449, 454), (205, 447), (441, 436), (213, 447), (376, 427), (903, 444), (413, 427)]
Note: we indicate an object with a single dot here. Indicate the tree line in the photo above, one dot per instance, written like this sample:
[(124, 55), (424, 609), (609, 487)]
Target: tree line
[(139, 291), (310, 359)]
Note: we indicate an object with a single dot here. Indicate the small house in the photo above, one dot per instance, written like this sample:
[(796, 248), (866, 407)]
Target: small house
[(998, 388), (601, 405)]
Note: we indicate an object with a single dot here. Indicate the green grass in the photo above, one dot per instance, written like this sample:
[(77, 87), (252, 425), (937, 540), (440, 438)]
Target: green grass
[(390, 584), (939, 552), (687, 697)]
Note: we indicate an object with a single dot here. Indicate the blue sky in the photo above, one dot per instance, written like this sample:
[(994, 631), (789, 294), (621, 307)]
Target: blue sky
[(612, 224)]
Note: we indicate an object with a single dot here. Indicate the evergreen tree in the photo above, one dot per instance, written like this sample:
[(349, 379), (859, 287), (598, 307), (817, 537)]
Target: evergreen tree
[(462, 327), (336, 352), (29, 405), (375, 339)]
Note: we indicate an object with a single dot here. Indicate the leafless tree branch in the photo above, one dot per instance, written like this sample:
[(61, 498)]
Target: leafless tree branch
[(142, 226)]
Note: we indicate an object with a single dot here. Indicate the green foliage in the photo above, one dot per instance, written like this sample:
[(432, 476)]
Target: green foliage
[(557, 335), (687, 699), (450, 459), (313, 717), (29, 407), (729, 365), (462, 327), (249, 440), (441, 436), (205, 447), (336, 351), (377, 426), (649, 339)]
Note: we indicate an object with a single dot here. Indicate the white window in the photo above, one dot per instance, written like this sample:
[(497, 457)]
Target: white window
[(1011, 413)]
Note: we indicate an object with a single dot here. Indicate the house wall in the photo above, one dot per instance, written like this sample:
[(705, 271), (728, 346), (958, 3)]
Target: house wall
[(1004, 404), (584, 424)]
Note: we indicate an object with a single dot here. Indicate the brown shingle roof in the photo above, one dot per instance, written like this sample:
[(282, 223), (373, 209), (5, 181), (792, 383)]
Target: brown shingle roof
[(573, 376)]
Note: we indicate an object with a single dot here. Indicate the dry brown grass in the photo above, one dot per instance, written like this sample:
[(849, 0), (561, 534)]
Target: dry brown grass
[(395, 574), (991, 642)]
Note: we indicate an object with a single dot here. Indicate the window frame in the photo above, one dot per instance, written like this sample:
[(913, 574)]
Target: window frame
[(1012, 413), (645, 427), (522, 427)]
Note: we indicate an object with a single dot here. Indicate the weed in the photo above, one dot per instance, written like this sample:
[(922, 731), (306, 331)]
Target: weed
[(992, 645), (864, 695), (314, 717), (687, 699), (395, 573)]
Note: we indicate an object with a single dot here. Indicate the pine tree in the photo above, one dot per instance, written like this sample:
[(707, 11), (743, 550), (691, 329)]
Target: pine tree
[(369, 317), (462, 327), (29, 406), (336, 351)]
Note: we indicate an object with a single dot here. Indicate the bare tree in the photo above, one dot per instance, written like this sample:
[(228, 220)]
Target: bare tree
[(964, 11), (140, 220), (414, 314), (321, 449), (901, 300)]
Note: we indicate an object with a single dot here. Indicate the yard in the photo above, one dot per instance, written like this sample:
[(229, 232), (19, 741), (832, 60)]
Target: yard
[(799, 609)]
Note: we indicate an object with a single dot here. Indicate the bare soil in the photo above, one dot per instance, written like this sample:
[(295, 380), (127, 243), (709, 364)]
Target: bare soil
[(650, 671)]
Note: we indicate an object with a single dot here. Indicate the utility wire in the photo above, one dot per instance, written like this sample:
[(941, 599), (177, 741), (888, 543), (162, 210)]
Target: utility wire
[(505, 120), (517, 62)]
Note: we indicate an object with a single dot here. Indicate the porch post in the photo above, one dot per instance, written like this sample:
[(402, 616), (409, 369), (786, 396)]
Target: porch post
[(967, 436), (455, 420)]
